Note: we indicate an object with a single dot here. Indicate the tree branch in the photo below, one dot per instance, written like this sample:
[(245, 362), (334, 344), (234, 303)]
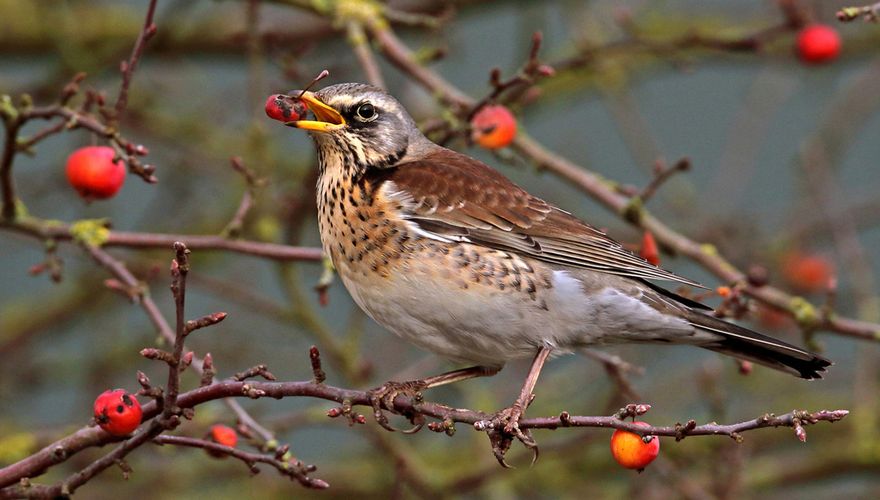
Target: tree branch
[(88, 437), (39, 228)]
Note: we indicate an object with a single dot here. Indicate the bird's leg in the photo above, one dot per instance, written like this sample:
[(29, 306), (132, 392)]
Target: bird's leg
[(525, 395), (505, 425), (384, 395)]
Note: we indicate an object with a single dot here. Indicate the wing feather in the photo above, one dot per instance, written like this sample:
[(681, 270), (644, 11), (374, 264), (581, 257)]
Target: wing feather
[(459, 198)]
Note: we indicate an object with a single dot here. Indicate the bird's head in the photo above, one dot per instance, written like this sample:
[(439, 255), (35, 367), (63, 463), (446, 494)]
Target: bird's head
[(361, 123)]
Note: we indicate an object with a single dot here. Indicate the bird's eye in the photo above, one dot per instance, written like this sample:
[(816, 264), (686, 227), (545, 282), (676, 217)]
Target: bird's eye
[(366, 112)]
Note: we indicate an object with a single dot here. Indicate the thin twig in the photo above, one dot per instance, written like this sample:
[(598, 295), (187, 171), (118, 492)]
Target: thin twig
[(179, 270), (79, 118), (25, 145), (662, 173), (127, 67), (233, 228), (357, 38), (294, 469), (7, 184), (61, 232)]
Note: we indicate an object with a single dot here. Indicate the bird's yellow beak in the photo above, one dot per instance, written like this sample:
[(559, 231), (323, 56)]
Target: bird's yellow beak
[(328, 119)]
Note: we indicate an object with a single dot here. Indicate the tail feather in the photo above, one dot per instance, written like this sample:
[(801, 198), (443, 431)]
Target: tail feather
[(745, 344)]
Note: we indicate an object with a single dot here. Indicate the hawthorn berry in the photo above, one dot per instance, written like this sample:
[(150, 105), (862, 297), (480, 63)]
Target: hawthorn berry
[(807, 272), (818, 44), (222, 434), (93, 173), (632, 451), (118, 412), (649, 250), (285, 108), (493, 126)]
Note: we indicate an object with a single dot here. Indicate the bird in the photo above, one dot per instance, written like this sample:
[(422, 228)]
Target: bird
[(447, 253)]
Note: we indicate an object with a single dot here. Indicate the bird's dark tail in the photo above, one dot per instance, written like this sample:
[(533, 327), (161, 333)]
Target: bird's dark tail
[(745, 344)]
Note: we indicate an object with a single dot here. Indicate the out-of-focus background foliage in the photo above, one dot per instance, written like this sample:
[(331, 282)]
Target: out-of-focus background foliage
[(746, 120)]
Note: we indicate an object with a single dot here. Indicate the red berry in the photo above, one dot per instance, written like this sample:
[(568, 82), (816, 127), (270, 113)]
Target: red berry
[(222, 434), (631, 451), (118, 412), (649, 249), (807, 273), (92, 171), (285, 108), (818, 43), (493, 127)]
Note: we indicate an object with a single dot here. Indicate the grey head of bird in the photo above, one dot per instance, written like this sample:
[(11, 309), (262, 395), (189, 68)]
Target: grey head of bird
[(362, 125)]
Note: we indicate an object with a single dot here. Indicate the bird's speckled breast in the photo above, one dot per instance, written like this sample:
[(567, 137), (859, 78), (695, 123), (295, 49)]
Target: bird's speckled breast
[(459, 300), (358, 228)]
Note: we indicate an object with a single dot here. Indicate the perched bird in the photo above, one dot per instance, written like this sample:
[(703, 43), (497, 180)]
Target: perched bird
[(449, 254)]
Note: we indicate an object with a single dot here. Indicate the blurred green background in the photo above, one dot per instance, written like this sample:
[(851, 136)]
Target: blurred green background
[(745, 121)]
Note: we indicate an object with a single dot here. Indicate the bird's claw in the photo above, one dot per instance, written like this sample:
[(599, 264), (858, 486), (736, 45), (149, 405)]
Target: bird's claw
[(383, 398), (503, 427)]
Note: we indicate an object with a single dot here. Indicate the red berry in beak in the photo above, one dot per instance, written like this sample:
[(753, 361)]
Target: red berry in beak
[(285, 108)]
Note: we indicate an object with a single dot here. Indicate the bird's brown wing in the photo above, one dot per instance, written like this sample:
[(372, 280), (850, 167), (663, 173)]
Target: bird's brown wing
[(458, 198)]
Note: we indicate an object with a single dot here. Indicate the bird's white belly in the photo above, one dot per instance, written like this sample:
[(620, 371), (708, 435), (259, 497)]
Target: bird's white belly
[(488, 326)]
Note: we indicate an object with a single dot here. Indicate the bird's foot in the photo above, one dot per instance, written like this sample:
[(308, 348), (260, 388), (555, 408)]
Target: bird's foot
[(503, 428), (383, 398)]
